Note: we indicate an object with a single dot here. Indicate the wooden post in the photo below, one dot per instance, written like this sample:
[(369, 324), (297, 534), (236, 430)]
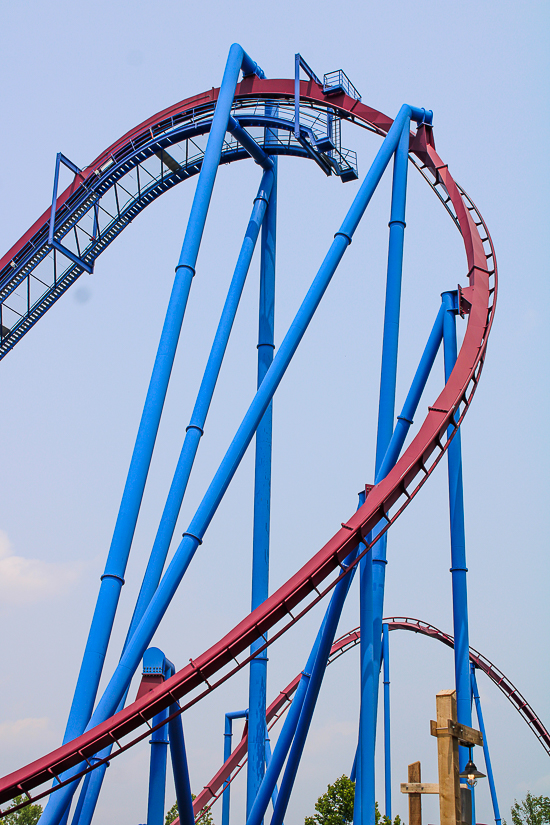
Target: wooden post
[(415, 799), (447, 760)]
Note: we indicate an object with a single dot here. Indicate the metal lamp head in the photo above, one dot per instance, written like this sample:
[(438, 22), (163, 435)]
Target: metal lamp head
[(471, 773)]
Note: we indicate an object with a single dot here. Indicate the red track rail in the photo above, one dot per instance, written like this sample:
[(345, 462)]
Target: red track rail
[(385, 501), (212, 791)]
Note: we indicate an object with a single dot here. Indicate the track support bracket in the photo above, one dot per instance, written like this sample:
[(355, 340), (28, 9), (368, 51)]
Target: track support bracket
[(61, 159)]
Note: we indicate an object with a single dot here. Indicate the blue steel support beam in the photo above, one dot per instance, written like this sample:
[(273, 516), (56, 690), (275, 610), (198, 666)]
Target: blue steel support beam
[(82, 812), (458, 537), (387, 728), (269, 782), (488, 766), (262, 501), (195, 429), (227, 737), (157, 771), (373, 565), (193, 435), (113, 577), (206, 510), (60, 158), (297, 96), (406, 418), (388, 377), (275, 793), (296, 726), (180, 768), (327, 633), (247, 142)]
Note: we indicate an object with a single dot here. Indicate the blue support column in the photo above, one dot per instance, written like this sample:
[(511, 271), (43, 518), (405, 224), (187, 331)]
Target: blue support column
[(406, 417), (296, 726), (193, 435), (205, 512), (297, 715), (326, 639), (458, 537), (180, 768), (113, 577), (387, 729), (373, 565), (269, 782), (195, 429), (275, 793), (262, 502), (488, 766), (227, 736), (157, 771)]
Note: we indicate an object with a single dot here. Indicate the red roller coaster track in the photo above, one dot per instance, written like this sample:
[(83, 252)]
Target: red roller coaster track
[(385, 501)]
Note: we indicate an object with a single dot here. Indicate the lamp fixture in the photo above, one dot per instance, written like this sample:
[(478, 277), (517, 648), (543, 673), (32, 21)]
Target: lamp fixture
[(470, 772)]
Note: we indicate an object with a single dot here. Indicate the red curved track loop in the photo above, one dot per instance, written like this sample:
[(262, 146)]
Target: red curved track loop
[(213, 790), (385, 501)]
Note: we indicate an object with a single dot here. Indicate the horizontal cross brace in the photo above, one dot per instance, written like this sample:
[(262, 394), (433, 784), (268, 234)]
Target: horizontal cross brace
[(465, 735), (419, 787)]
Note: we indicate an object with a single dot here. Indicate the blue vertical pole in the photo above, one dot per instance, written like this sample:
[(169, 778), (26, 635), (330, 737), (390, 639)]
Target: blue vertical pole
[(227, 736), (373, 564), (364, 784), (297, 96), (488, 766), (388, 374), (157, 771), (387, 731), (262, 500), (226, 799), (458, 538)]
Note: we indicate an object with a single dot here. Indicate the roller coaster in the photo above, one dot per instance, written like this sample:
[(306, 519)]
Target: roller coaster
[(260, 119)]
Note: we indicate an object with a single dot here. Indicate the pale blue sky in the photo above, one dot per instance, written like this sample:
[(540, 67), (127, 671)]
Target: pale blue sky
[(76, 76)]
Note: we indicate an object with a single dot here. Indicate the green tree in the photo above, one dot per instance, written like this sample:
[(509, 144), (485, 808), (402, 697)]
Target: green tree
[(335, 807), (26, 816), (533, 810), (206, 818)]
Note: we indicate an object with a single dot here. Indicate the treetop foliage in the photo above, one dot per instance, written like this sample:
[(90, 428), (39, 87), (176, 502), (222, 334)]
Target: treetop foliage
[(335, 807), (26, 816), (206, 818), (533, 810)]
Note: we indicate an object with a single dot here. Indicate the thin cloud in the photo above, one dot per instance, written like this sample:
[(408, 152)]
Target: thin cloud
[(28, 728), (29, 581)]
